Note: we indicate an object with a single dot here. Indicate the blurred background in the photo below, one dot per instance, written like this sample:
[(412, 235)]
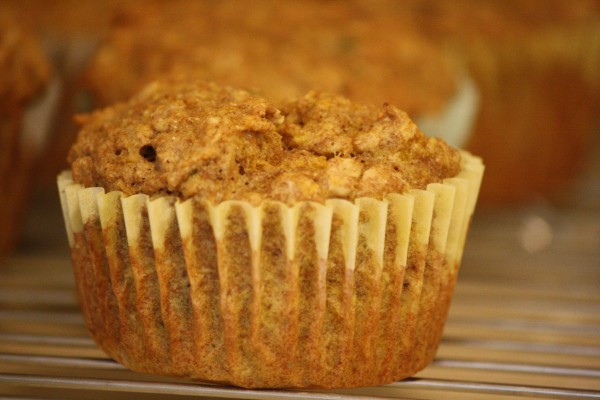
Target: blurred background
[(516, 82)]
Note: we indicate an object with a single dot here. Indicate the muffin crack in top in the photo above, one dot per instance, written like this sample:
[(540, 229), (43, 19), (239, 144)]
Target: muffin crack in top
[(192, 139)]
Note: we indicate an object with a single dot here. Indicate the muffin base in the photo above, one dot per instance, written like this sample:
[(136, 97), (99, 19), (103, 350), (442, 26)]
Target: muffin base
[(333, 295)]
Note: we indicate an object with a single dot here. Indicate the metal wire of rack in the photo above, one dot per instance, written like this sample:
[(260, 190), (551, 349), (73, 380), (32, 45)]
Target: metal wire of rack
[(522, 324)]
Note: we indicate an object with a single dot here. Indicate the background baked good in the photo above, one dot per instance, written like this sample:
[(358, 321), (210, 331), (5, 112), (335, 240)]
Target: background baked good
[(283, 50), (537, 66), (68, 31), (24, 74), (343, 47)]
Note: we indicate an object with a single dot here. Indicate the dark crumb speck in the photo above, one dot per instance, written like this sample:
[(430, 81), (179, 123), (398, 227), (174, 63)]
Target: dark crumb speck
[(148, 152)]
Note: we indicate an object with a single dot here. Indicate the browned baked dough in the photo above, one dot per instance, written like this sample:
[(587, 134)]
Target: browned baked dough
[(233, 273), (218, 143)]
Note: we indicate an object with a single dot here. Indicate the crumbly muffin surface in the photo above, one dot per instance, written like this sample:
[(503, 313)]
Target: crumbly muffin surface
[(218, 143)]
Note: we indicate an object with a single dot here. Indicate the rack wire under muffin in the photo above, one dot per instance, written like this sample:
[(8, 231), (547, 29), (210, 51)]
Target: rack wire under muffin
[(500, 341)]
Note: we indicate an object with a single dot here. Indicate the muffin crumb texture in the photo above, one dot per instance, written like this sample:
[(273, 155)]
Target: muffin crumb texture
[(217, 143)]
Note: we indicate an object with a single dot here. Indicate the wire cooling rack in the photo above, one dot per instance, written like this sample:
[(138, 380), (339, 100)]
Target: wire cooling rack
[(524, 323)]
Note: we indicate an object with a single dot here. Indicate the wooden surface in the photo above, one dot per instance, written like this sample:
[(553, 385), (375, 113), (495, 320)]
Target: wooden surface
[(525, 320)]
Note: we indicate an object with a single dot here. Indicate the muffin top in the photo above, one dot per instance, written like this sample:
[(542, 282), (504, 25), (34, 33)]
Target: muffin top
[(197, 139), (23, 65), (280, 49)]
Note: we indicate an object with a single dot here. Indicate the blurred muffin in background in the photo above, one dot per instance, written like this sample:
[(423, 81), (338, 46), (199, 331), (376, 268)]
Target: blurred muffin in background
[(283, 49), (27, 94), (69, 32), (69, 29), (537, 66)]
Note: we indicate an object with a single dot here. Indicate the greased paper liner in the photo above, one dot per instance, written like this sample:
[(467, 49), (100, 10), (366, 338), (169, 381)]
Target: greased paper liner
[(328, 295)]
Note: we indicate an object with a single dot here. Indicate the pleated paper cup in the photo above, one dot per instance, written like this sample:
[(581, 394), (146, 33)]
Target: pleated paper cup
[(332, 295)]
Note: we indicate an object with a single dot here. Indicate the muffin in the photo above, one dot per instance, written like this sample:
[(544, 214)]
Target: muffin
[(350, 48), (69, 32), (217, 237), (24, 113), (539, 63)]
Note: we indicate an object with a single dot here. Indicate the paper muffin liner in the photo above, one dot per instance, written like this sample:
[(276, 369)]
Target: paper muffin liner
[(331, 295)]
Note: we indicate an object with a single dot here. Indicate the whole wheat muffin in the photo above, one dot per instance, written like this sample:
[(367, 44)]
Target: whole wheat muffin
[(282, 50), (539, 62), (24, 74), (349, 48), (222, 144), (219, 237)]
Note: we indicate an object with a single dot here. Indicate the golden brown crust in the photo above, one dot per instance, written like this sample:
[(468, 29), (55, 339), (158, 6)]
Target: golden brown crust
[(198, 139)]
